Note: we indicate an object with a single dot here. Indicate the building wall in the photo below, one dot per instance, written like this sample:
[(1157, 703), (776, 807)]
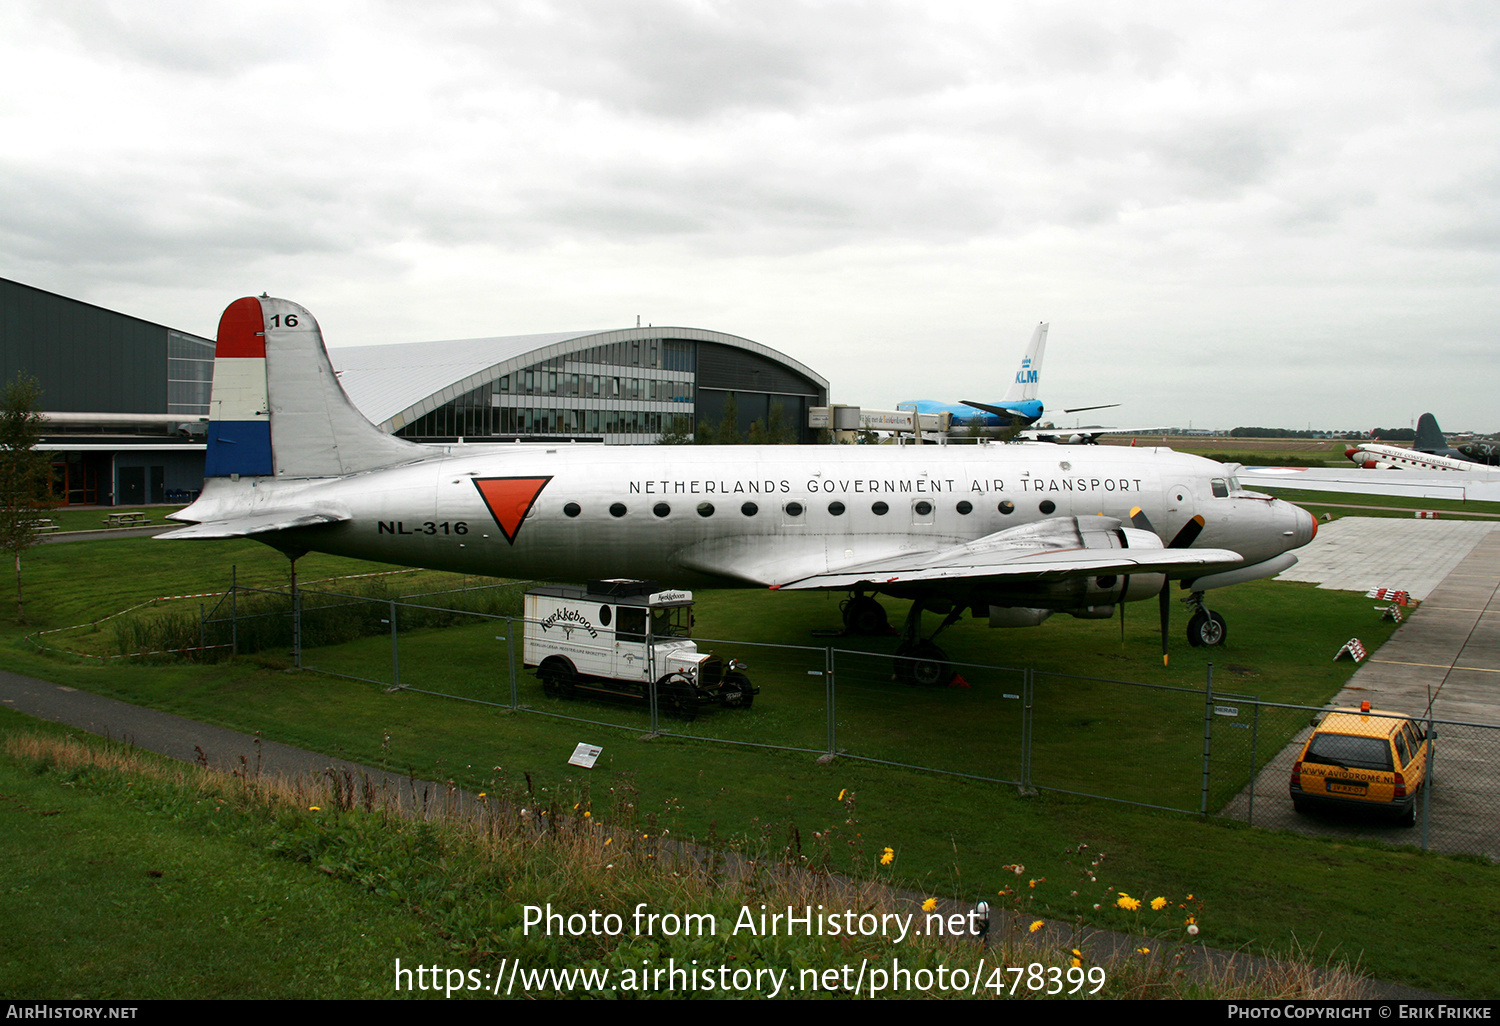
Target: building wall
[(87, 359)]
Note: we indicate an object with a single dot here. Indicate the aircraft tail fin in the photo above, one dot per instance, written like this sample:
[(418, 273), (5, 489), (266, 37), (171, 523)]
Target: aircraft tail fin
[(1429, 435), (277, 408), (1028, 377)]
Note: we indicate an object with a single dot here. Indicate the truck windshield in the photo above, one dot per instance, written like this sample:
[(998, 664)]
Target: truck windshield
[(672, 622)]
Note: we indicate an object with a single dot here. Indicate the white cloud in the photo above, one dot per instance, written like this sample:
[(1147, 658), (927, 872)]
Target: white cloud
[(1266, 213)]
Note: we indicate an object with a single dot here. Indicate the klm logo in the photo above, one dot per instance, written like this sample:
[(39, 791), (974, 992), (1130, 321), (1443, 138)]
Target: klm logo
[(1026, 377)]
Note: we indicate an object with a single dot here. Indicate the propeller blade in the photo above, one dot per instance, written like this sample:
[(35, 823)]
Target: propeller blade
[(1188, 534), (1166, 616), (1140, 521)]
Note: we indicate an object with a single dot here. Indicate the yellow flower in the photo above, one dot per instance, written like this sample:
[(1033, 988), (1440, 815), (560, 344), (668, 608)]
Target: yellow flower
[(481, 794), (1191, 920), (1076, 963), (313, 808), (887, 857), (1036, 926), (1128, 903), (1157, 904), (929, 904), (586, 815), (1143, 951), (842, 793), (1077, 953)]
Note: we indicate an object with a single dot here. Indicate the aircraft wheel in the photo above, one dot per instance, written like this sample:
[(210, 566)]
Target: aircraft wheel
[(864, 617), (924, 666), (1206, 629), (558, 679), (738, 682)]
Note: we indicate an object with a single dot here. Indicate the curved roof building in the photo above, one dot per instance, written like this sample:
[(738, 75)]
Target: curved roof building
[(624, 386)]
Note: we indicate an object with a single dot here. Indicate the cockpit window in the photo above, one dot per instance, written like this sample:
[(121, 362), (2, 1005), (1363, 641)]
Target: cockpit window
[(1221, 488)]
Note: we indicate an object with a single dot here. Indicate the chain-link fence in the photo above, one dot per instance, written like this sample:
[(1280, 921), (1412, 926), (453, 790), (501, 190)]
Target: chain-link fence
[(1188, 750)]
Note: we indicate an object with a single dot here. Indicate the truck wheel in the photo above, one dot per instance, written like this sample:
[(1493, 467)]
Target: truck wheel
[(558, 680), (737, 682), (676, 697)]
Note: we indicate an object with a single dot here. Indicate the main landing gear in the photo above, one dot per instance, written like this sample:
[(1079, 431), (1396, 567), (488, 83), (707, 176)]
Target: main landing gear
[(863, 616), (919, 661)]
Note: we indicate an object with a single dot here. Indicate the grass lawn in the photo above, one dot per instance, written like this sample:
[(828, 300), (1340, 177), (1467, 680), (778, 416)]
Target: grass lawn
[(950, 836)]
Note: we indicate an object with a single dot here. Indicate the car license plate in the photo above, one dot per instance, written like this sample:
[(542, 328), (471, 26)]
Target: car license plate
[(1347, 787)]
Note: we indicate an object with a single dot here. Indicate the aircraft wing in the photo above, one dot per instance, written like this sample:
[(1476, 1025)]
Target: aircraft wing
[(256, 523), (1066, 547)]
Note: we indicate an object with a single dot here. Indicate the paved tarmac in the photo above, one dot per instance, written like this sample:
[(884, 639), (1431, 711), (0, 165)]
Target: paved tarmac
[(1360, 553), (1446, 653)]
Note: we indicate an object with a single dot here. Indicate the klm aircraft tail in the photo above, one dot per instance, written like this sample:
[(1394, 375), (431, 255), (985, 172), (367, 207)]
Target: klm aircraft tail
[(1028, 377), (278, 410)]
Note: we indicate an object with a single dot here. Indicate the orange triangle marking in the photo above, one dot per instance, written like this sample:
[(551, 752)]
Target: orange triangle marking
[(509, 500)]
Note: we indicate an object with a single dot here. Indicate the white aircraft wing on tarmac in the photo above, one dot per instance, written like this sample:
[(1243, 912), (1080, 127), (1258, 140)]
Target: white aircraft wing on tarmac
[(1015, 532)]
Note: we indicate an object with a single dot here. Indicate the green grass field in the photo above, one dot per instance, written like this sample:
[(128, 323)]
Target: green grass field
[(951, 836)]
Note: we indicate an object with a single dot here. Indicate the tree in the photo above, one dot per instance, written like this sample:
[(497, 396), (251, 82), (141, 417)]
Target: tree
[(728, 431), (25, 472), (679, 433)]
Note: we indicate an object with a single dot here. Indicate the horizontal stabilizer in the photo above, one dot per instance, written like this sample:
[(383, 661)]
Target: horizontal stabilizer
[(256, 523)]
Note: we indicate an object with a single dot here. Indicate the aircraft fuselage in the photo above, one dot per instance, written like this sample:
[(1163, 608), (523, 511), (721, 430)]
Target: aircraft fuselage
[(677, 514)]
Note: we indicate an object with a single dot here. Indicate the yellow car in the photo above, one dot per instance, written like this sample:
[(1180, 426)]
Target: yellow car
[(1362, 759)]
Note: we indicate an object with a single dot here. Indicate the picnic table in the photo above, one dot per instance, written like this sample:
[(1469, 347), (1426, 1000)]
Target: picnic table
[(134, 518)]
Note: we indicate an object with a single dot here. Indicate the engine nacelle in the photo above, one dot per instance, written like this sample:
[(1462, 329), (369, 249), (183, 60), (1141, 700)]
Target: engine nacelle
[(1094, 597)]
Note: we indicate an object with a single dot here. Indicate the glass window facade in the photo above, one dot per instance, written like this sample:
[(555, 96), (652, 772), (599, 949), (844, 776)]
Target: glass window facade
[(190, 374), (630, 391)]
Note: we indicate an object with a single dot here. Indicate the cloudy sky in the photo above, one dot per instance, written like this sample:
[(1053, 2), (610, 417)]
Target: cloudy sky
[(1256, 213)]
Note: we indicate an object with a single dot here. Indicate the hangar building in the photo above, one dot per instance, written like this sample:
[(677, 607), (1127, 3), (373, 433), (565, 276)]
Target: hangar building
[(626, 387), (127, 399)]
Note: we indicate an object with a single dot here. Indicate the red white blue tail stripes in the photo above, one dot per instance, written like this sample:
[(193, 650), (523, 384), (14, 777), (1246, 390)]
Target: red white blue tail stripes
[(239, 429)]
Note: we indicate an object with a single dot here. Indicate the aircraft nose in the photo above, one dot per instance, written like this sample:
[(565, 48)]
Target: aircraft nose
[(1305, 527)]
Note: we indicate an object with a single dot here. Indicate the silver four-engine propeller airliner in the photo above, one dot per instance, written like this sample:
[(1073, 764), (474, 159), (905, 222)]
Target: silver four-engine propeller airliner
[(1013, 533)]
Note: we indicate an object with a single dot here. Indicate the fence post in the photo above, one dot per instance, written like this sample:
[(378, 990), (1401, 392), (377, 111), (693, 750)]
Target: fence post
[(1431, 772), (395, 649), (202, 640), (296, 621), (1254, 761), (1028, 699), (510, 661), (830, 701), (234, 610), (1208, 733)]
